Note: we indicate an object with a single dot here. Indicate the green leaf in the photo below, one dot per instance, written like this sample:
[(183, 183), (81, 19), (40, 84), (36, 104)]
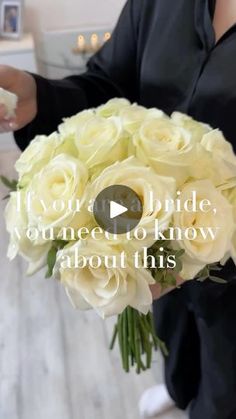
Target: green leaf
[(10, 184), (6, 197), (178, 267), (202, 278), (170, 280), (60, 244), (215, 267), (218, 280), (159, 275), (180, 253), (204, 273), (114, 336), (51, 260)]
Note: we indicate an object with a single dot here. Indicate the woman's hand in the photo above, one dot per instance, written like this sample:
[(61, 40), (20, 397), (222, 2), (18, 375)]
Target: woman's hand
[(24, 86), (158, 291)]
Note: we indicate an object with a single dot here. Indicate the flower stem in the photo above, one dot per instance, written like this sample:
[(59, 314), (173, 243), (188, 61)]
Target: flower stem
[(113, 341), (125, 341), (137, 339)]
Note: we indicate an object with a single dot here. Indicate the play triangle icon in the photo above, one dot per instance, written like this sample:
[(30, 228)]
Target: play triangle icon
[(116, 209)]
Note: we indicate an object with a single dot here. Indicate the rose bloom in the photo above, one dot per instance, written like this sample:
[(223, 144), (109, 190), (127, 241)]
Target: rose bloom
[(215, 143), (197, 129), (113, 107), (107, 289), (148, 185), (101, 142), (35, 252), (201, 251), (215, 159), (133, 117), (230, 195), (233, 247), (166, 147), (38, 153), (70, 126), (62, 181)]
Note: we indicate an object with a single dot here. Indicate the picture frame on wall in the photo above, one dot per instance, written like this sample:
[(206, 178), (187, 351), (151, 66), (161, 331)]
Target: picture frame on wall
[(11, 19)]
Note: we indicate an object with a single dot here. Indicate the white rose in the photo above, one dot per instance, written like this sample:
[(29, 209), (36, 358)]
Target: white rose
[(70, 126), (55, 193), (133, 116), (38, 153), (109, 290), (112, 108), (150, 188), (35, 252), (201, 251), (215, 160), (166, 147), (215, 142), (197, 129), (230, 195), (227, 185), (101, 142), (233, 248)]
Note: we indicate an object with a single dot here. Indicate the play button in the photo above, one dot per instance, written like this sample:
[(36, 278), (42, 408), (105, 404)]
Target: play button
[(117, 209)]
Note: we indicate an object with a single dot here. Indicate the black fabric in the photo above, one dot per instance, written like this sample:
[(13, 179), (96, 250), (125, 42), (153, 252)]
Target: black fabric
[(212, 5), (176, 326), (163, 54), (201, 367)]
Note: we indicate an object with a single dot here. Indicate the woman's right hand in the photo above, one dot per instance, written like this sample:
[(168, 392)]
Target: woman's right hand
[(24, 86), (158, 292)]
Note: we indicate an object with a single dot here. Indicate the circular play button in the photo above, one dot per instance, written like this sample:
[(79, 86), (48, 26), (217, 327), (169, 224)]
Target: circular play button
[(117, 209)]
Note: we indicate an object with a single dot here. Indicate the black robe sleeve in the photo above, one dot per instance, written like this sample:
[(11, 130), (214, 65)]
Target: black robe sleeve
[(110, 73)]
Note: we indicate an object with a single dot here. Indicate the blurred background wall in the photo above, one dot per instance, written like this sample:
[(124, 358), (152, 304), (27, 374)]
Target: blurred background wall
[(50, 15), (51, 29)]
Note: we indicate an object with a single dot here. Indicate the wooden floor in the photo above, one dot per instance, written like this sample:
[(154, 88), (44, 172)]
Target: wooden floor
[(54, 361)]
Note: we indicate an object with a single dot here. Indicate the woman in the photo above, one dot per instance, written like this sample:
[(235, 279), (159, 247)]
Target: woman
[(177, 55)]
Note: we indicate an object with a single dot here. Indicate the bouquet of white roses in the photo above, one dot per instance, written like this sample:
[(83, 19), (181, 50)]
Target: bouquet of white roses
[(186, 167)]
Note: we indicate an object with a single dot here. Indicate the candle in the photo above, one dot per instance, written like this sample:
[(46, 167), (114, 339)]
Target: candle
[(81, 42), (94, 41), (107, 36)]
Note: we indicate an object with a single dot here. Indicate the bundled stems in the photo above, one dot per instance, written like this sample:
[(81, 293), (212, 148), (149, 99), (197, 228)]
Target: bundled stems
[(137, 339)]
